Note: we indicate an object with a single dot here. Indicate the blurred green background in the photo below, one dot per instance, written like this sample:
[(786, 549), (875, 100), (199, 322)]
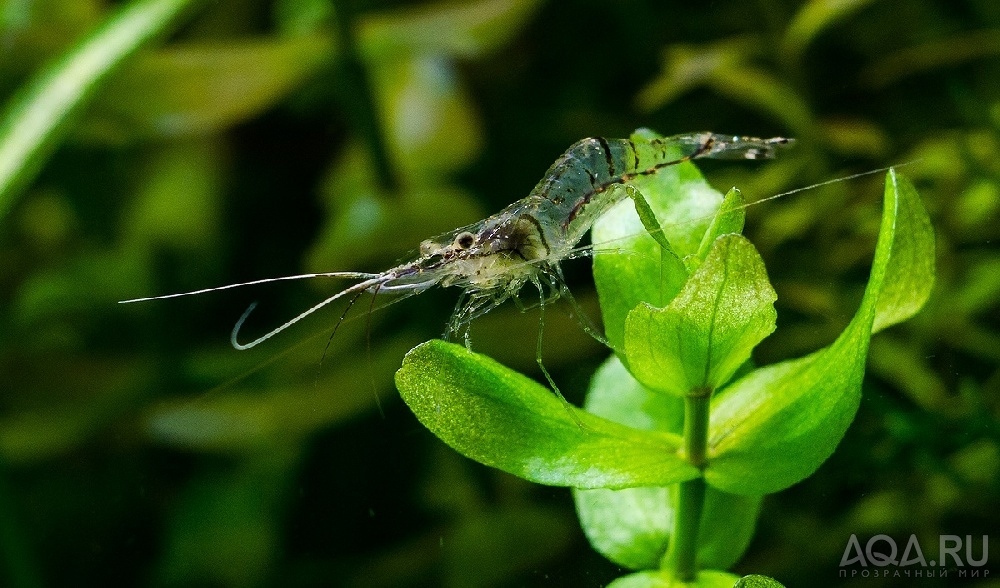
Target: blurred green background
[(245, 139)]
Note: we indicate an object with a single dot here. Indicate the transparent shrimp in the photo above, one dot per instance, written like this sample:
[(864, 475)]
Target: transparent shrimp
[(524, 243)]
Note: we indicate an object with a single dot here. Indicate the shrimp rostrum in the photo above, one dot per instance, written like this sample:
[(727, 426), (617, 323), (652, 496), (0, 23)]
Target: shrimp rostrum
[(524, 243)]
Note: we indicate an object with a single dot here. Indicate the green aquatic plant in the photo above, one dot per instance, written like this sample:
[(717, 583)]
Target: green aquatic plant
[(681, 435)]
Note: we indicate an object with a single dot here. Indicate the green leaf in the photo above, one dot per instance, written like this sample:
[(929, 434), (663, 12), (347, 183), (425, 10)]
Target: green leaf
[(685, 67), (731, 217), (632, 526), (757, 581), (727, 67), (34, 121), (503, 419), (909, 278), (708, 331), (813, 18), (777, 425), (430, 121), (199, 88), (684, 203), (663, 579), (458, 29)]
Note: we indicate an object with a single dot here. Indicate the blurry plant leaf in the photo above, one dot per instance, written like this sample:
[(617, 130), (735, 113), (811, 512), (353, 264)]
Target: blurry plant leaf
[(87, 280), (905, 364), (33, 31), (35, 119), (937, 54), (685, 204), (812, 19), (487, 549), (760, 90), (202, 88), (775, 426), (246, 421), (664, 579), (855, 137), (69, 418), (708, 330), (303, 17), (178, 203), (470, 28), (366, 226), (728, 69), (977, 208), (430, 123), (979, 291), (632, 526), (224, 530), (503, 419), (686, 67)]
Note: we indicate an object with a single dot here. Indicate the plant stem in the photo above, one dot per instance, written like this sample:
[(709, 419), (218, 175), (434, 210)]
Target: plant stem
[(682, 556), (696, 405)]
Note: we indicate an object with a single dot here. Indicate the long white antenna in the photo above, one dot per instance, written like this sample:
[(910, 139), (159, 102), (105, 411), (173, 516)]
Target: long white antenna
[(348, 275), (360, 286)]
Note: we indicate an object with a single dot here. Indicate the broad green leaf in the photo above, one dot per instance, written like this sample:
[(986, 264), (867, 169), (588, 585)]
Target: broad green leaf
[(910, 277), (757, 581), (663, 579), (202, 88), (503, 419), (709, 329), (684, 204), (632, 526), (34, 121), (778, 424)]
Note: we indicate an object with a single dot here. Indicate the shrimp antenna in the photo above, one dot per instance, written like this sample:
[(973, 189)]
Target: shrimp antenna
[(343, 316), (348, 275), (359, 287), (585, 250)]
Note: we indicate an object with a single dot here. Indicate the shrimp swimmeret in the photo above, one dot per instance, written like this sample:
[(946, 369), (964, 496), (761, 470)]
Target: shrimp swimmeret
[(493, 259)]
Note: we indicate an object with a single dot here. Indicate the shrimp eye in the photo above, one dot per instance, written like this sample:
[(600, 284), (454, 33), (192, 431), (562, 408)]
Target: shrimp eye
[(465, 240)]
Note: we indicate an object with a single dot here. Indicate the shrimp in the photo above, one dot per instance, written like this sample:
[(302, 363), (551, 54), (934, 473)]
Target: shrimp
[(492, 260)]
